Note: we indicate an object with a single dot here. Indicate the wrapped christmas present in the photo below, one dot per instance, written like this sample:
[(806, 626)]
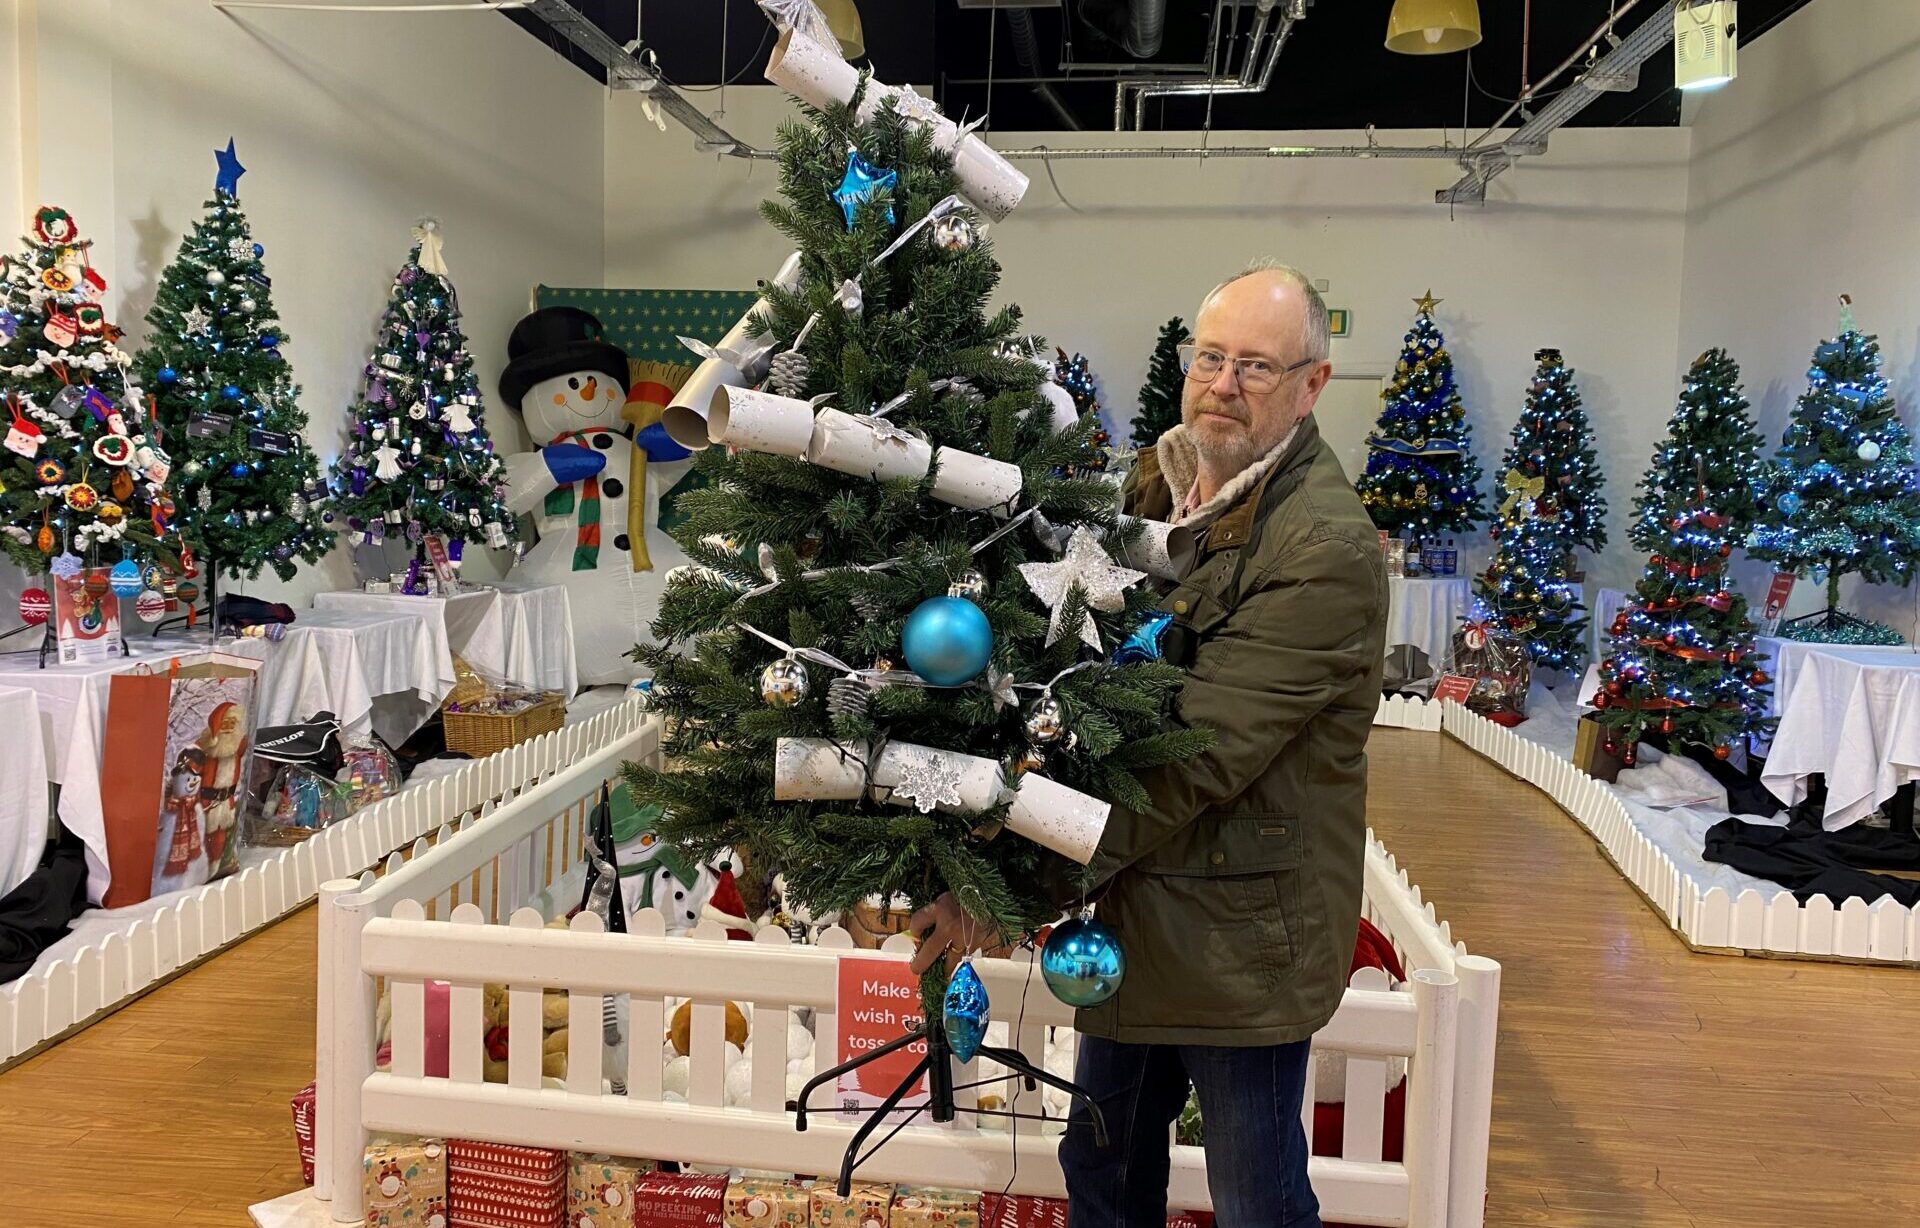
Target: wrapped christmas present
[(865, 1206), (921, 1207), (405, 1183), (303, 1103), (1022, 1211), (755, 1202), (601, 1189), (1500, 668), (679, 1200), (494, 1185)]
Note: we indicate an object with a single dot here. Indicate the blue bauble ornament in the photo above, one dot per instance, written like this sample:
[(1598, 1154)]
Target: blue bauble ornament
[(231, 392), (860, 182), (125, 578), (240, 469), (1788, 503), (1083, 962), (168, 375), (1821, 469), (964, 1013), (947, 641), (259, 250), (1144, 643), (268, 341)]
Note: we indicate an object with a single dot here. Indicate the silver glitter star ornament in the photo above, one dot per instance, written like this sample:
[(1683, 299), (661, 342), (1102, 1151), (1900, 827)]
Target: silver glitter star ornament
[(1087, 565)]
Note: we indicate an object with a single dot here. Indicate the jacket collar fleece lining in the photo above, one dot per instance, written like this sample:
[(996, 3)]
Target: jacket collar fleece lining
[(1231, 510)]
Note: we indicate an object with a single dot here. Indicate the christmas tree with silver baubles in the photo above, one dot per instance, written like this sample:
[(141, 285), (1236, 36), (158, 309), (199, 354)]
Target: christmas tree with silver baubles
[(246, 481), (1422, 480), (420, 460), (1842, 497), (917, 651)]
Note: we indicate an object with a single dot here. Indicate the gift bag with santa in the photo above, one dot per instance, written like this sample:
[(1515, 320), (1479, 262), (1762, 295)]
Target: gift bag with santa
[(209, 727), (593, 485)]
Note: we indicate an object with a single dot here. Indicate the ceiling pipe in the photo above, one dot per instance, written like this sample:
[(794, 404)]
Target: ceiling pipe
[(1045, 153), (1026, 49), (1531, 137), (1146, 28), (1249, 80)]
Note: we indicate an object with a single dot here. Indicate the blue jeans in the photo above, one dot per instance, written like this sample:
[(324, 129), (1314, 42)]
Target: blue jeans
[(1256, 1150)]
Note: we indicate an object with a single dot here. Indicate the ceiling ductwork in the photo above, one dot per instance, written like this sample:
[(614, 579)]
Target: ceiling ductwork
[(1264, 43), (1026, 49), (1138, 26)]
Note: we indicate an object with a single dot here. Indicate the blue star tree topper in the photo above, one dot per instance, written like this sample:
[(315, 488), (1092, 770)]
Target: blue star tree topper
[(228, 180)]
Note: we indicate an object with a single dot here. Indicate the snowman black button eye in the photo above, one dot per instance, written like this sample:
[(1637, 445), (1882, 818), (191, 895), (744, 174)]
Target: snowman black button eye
[(573, 382), (603, 441)]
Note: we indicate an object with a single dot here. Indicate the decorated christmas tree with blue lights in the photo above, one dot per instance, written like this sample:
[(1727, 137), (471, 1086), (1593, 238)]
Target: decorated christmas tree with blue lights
[(1422, 480), (246, 483), (1076, 376), (1842, 496), (420, 460)]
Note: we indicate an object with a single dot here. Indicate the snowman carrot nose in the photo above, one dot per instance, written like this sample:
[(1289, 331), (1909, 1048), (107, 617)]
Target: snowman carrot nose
[(587, 393)]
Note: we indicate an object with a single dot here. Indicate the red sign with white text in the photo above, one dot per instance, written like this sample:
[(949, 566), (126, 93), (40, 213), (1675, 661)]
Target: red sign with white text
[(1455, 687), (437, 555), (1777, 594), (876, 1001)]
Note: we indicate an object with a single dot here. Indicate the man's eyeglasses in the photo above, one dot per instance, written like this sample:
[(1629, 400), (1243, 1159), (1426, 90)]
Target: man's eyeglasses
[(1254, 375)]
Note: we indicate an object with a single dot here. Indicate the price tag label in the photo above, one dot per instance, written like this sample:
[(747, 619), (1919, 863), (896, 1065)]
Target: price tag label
[(205, 424), (1777, 594), (1454, 687), (437, 555), (273, 443)]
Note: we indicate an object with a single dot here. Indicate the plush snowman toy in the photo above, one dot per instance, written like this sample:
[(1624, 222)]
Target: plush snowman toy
[(592, 488)]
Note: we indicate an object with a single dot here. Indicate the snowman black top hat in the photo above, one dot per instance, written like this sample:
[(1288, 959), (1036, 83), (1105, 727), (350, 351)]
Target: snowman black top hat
[(553, 341)]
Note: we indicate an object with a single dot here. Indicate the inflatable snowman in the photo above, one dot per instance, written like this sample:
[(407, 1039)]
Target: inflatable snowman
[(592, 487)]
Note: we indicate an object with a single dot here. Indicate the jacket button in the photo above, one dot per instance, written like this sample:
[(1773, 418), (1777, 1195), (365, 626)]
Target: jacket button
[(1180, 607), (1217, 858)]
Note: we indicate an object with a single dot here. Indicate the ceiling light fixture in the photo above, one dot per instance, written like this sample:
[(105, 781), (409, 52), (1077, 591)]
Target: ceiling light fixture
[(1705, 44), (844, 20), (1433, 27)]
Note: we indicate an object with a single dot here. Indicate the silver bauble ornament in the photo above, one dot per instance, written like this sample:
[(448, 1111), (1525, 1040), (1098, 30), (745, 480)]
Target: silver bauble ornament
[(247, 304), (216, 278), (266, 513), (784, 683), (297, 506), (954, 233), (191, 469), (1045, 721), (969, 584), (1868, 450)]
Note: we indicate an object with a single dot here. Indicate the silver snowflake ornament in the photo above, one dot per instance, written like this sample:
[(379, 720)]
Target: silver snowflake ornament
[(239, 249), (929, 780), (196, 318), (1086, 566)]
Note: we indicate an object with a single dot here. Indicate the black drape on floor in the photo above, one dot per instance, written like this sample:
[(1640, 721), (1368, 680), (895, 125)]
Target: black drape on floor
[(34, 915), (1809, 861)]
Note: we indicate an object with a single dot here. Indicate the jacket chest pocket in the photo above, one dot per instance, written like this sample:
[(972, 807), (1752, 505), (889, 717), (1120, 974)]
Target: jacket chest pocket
[(1232, 884), (1199, 604)]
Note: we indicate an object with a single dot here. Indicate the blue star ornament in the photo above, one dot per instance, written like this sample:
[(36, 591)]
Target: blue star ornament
[(859, 184), (228, 180)]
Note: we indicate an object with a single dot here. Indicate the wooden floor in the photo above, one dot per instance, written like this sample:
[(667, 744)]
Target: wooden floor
[(1639, 1085)]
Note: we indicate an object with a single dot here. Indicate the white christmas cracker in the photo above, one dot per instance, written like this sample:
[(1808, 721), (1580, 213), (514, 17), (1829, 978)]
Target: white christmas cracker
[(1049, 813), (1164, 551), (740, 360), (759, 422), (817, 75)]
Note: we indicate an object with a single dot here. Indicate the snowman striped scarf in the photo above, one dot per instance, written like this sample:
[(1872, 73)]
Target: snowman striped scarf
[(586, 541)]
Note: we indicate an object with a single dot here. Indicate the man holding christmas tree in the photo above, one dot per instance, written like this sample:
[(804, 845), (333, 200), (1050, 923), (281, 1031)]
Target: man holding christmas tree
[(1236, 894)]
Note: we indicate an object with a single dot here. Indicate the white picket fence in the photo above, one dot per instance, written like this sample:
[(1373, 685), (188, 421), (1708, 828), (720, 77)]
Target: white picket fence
[(1754, 921), (68, 993), (1408, 712), (471, 911)]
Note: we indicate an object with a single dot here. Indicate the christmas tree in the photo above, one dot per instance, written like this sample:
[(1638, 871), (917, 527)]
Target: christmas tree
[(420, 456), (244, 476), (1074, 374), (1528, 588), (898, 630), (1711, 442), (84, 479), (1160, 395), (1422, 479), (1681, 658), (1553, 441), (1842, 496)]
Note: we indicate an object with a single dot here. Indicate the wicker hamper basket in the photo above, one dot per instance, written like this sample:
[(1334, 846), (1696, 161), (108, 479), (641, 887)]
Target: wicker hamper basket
[(482, 733)]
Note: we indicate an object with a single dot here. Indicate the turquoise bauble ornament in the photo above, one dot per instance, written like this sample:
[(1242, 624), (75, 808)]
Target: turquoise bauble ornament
[(947, 641), (964, 1013), (1083, 962), (125, 578)]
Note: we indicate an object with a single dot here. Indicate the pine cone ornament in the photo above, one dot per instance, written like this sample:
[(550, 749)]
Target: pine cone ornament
[(787, 375), (849, 696)]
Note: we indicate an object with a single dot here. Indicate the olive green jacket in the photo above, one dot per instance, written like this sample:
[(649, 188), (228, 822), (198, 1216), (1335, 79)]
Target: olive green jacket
[(1236, 894)]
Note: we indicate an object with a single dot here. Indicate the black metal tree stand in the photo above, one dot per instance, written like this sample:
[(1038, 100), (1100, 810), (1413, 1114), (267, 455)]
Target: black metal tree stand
[(937, 1066)]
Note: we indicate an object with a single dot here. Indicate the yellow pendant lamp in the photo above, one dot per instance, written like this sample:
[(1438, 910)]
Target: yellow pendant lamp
[(844, 20), (1428, 27)]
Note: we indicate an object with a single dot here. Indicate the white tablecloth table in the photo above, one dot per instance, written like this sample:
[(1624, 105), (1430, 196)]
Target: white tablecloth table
[(23, 788), (1852, 714), (1424, 611), (343, 661), (72, 704), (521, 634)]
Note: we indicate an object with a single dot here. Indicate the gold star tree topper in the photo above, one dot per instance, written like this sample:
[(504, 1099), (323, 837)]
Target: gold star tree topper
[(1426, 303)]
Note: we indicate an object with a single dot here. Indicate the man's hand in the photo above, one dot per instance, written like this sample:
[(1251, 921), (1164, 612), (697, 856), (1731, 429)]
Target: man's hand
[(943, 927)]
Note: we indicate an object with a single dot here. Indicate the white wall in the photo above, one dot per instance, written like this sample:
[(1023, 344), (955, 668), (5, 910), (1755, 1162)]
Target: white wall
[(351, 127), (1803, 185), (1578, 249)]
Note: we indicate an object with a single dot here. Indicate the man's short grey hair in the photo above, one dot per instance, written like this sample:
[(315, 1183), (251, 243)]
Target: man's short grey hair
[(1316, 338)]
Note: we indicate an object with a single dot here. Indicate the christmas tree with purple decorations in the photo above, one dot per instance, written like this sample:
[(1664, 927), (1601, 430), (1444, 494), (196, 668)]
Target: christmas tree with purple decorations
[(1422, 480), (420, 460)]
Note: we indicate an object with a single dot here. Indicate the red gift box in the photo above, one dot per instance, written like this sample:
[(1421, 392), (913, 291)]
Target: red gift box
[(303, 1103), (496, 1185), (679, 1200), (1022, 1211), (1189, 1219)]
